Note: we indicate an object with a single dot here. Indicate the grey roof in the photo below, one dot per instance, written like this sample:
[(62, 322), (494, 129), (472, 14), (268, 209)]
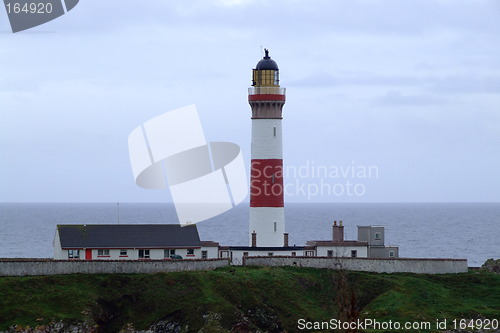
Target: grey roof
[(372, 226), (267, 248), (332, 243), (127, 235)]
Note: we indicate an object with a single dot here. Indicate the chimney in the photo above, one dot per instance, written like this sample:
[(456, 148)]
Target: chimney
[(338, 232), (254, 239), (285, 239)]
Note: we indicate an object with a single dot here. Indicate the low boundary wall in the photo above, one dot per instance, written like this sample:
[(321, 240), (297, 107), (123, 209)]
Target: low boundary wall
[(26, 267), (396, 265), (32, 267)]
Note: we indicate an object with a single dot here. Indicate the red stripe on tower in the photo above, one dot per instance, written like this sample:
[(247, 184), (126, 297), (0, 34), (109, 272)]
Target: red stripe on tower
[(266, 184), (269, 97), (266, 98)]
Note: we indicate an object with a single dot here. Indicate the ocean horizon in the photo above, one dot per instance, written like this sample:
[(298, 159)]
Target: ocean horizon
[(467, 230)]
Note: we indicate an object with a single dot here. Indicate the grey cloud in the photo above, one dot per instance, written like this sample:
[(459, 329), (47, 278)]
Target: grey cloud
[(472, 83), (112, 64), (274, 17), (370, 79), (465, 84), (397, 98), (18, 85)]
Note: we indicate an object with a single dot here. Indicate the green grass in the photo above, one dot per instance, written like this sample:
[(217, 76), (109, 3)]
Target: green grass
[(250, 298)]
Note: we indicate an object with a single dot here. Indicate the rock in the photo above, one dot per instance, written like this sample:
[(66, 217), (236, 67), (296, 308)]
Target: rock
[(491, 265)]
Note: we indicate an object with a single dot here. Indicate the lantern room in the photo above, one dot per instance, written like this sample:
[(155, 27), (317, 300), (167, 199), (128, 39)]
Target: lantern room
[(266, 73)]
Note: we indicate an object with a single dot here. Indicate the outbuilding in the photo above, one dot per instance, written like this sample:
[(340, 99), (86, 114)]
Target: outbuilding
[(131, 242)]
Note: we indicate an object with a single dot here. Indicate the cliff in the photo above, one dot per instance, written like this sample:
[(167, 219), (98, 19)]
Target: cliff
[(241, 299)]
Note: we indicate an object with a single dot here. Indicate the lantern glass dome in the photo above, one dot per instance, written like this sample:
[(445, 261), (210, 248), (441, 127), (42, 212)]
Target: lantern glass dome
[(266, 73)]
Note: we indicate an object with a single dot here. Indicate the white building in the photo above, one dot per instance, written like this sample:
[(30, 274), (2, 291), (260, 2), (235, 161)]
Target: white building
[(131, 242), (370, 244), (171, 241)]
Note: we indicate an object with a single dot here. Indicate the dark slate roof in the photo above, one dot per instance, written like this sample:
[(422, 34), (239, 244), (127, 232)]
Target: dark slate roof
[(127, 235), (265, 64)]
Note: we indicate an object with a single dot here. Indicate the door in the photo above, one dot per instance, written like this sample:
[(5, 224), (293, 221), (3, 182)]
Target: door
[(88, 254)]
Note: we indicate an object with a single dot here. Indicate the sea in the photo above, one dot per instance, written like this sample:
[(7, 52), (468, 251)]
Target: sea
[(421, 230)]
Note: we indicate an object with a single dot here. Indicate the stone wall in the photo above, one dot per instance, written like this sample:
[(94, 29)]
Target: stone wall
[(396, 265), (24, 267)]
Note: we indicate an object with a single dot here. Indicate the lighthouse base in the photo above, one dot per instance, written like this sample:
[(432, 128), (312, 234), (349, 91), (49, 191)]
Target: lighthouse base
[(269, 225)]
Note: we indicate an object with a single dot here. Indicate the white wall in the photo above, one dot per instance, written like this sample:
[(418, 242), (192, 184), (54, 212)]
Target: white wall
[(212, 251), (133, 254), (57, 247), (262, 222), (264, 144), (237, 255), (342, 251)]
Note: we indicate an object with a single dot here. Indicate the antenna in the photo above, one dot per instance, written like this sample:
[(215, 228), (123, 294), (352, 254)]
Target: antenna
[(118, 212)]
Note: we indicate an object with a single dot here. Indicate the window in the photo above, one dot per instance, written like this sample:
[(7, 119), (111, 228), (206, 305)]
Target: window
[(274, 131), (224, 254), (275, 226), (354, 253), (245, 254), (391, 254), (169, 253), (103, 253), (204, 254), (330, 253), (144, 254), (270, 254), (309, 253), (73, 254), (266, 77), (123, 253), (294, 254), (190, 252), (377, 236)]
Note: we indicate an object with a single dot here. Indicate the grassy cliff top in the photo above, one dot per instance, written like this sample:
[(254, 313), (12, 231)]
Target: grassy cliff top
[(244, 299)]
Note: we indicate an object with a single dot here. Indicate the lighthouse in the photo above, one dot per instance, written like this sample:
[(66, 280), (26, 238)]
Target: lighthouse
[(267, 213)]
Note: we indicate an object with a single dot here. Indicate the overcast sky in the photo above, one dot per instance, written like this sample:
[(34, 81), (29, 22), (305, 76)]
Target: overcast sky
[(407, 89)]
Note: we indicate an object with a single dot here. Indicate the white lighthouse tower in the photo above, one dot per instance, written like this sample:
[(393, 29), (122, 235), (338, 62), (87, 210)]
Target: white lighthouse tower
[(267, 215)]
